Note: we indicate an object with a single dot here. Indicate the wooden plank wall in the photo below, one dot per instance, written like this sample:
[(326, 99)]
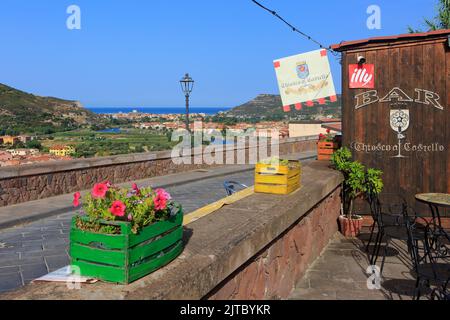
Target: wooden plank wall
[(408, 66)]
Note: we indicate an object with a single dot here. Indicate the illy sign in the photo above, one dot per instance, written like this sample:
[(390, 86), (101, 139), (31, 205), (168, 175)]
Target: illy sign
[(361, 76)]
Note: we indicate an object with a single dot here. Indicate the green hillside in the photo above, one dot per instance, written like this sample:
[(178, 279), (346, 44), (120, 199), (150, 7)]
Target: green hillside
[(268, 106), (22, 113)]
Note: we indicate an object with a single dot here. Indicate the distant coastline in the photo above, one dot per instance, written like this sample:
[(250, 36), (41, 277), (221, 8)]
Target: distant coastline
[(157, 110)]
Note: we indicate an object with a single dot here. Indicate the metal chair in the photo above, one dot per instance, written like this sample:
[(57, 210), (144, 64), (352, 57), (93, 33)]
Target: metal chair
[(388, 219), (230, 187), (430, 263), (441, 293)]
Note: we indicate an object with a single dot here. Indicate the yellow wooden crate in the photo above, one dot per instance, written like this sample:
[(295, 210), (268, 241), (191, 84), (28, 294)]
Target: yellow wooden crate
[(276, 188), (277, 179)]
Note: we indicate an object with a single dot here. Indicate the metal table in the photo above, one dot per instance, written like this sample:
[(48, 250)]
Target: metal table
[(435, 201)]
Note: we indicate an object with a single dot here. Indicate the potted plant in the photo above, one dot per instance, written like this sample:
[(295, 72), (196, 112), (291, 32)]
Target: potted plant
[(357, 183), (326, 146), (124, 234)]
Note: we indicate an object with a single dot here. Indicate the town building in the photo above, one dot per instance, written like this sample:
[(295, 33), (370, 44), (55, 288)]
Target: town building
[(25, 139), (22, 152), (312, 128), (10, 140), (62, 151)]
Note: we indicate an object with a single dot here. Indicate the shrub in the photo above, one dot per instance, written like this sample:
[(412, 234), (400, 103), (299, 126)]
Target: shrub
[(358, 182)]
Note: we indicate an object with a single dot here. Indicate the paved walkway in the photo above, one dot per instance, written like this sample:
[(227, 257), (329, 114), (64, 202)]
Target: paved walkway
[(340, 274), (31, 250)]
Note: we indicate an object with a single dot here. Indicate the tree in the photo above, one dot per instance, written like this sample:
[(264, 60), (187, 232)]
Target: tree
[(33, 144), (441, 21)]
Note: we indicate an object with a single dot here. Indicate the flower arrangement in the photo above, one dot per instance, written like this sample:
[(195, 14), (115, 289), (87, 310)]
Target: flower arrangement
[(328, 137), (139, 207)]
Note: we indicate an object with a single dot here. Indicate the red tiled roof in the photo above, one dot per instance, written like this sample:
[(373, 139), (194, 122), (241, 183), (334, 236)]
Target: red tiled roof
[(408, 36), (59, 147), (327, 120)]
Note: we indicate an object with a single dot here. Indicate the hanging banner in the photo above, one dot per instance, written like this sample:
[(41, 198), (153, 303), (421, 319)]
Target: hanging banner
[(305, 78)]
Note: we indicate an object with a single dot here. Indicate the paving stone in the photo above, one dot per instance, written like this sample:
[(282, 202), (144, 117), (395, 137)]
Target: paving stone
[(340, 273), (55, 246), (54, 235), (33, 271), (303, 284), (10, 281), (9, 255), (9, 262), (55, 241), (10, 249), (57, 262), (360, 295), (34, 236), (41, 253), (28, 260), (9, 270), (11, 238), (31, 247), (312, 294)]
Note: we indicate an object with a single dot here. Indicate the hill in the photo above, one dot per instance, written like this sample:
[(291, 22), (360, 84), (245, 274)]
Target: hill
[(269, 106), (22, 112)]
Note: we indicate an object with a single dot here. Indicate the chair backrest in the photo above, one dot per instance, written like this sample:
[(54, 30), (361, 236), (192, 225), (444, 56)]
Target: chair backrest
[(391, 203), (413, 242), (230, 186), (441, 292), (438, 242)]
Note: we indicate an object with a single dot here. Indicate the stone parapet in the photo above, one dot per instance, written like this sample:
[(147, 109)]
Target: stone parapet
[(42, 180)]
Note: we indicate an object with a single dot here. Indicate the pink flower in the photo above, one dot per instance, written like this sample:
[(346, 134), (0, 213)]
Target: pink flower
[(99, 190), (160, 201), (163, 194), (136, 189), (118, 208), (130, 217), (76, 199)]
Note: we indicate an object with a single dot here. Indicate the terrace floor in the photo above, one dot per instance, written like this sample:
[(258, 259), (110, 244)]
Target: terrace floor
[(340, 273)]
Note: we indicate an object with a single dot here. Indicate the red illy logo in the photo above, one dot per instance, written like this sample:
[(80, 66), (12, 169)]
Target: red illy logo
[(362, 76)]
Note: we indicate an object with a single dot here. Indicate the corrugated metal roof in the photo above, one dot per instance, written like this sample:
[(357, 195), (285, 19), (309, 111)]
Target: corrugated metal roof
[(408, 36)]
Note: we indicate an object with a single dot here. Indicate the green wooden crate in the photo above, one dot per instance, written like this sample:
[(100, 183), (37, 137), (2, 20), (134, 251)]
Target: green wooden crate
[(126, 257)]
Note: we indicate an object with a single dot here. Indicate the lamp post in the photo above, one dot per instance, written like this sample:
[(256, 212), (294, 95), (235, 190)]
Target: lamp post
[(187, 84)]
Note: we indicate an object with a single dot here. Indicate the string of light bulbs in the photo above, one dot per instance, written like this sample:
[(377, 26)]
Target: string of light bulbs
[(275, 14)]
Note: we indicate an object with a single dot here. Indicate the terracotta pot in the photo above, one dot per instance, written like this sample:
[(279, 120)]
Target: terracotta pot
[(351, 227)]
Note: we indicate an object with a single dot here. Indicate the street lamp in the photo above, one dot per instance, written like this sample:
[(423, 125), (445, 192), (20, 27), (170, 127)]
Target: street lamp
[(186, 85)]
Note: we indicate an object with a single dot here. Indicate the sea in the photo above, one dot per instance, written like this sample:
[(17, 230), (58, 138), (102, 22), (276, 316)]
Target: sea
[(158, 110)]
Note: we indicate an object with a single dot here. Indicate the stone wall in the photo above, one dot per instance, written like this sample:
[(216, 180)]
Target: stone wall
[(42, 180), (273, 272)]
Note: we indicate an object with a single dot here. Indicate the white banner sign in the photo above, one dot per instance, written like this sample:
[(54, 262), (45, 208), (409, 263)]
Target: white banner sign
[(304, 78)]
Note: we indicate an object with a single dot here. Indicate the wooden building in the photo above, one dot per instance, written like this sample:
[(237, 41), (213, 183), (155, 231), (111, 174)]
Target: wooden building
[(396, 98)]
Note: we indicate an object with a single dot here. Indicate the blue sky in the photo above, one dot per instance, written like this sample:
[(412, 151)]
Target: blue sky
[(133, 53)]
